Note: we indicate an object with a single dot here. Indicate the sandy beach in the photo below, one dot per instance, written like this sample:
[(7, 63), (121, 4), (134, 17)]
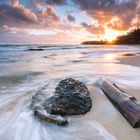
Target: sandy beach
[(131, 60), (107, 115)]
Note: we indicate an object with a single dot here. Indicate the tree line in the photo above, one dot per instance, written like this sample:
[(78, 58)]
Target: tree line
[(132, 37)]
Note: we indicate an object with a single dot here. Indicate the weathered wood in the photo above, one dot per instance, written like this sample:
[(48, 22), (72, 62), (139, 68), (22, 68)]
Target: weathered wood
[(127, 105), (43, 115)]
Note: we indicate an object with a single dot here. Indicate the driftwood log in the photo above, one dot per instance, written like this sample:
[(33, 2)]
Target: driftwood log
[(43, 115), (127, 105)]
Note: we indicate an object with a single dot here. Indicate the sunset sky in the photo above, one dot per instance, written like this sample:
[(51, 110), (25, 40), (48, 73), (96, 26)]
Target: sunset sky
[(66, 21)]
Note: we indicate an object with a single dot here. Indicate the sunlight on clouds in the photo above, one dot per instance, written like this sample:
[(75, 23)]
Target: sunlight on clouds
[(67, 22), (110, 34), (81, 34)]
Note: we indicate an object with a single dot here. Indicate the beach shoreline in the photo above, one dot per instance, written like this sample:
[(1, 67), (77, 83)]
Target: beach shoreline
[(130, 60), (109, 117), (23, 73), (104, 111)]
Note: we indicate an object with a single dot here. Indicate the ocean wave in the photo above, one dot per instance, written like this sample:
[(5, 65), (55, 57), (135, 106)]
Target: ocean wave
[(24, 125), (34, 47), (18, 78)]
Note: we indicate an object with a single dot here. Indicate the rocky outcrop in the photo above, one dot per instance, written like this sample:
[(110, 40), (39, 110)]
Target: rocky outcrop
[(71, 97)]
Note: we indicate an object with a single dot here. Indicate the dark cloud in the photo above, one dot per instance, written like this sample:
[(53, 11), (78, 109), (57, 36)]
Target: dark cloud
[(88, 5), (92, 29), (57, 2), (105, 10), (16, 15), (50, 2), (106, 5), (70, 18)]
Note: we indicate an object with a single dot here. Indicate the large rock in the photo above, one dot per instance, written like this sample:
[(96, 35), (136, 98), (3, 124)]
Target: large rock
[(71, 97)]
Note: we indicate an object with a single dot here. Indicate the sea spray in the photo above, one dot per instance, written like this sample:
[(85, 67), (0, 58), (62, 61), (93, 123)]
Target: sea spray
[(24, 126)]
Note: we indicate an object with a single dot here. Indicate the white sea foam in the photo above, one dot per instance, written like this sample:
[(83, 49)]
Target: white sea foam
[(23, 126)]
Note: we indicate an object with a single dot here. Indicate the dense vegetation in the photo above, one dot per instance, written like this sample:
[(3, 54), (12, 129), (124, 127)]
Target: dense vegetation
[(94, 42), (132, 37)]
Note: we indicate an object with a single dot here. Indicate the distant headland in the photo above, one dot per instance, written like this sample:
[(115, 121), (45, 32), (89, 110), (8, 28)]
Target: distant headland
[(132, 37)]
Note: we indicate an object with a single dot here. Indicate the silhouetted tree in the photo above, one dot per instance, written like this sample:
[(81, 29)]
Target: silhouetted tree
[(133, 37)]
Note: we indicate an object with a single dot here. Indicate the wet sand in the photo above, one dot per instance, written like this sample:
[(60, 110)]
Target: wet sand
[(53, 64), (131, 60), (108, 116)]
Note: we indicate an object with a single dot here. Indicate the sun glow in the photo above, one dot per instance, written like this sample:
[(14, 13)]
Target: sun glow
[(110, 57), (111, 35)]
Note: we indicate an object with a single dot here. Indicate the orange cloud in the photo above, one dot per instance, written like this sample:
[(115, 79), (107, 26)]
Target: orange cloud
[(17, 15), (104, 12), (15, 3), (49, 12), (93, 29)]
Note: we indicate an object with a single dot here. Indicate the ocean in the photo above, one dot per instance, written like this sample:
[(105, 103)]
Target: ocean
[(24, 69)]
